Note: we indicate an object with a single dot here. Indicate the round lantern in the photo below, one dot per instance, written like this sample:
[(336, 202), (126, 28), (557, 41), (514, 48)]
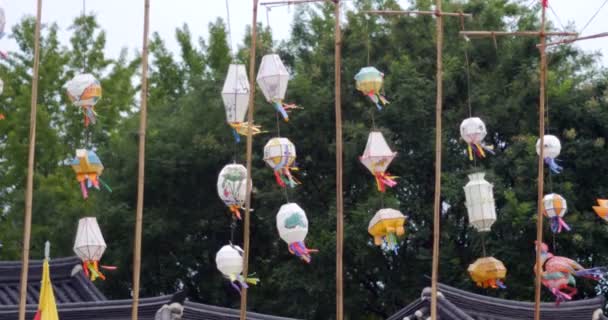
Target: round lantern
[(293, 227), (88, 168), (552, 148), (602, 209), (370, 82), (280, 155), (84, 90), (472, 131), (555, 207), (229, 261), (272, 79), (488, 272), (89, 246), (232, 187), (385, 227), (376, 158), (480, 202)]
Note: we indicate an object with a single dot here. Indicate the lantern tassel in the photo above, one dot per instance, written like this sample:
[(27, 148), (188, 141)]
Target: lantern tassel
[(285, 178), (236, 136), (83, 189), (592, 273), (562, 296), (557, 224), (91, 269), (89, 115), (384, 179), (378, 99), (235, 209), (239, 282), (299, 250), (391, 242), (278, 106), (479, 150), (242, 128), (553, 166)]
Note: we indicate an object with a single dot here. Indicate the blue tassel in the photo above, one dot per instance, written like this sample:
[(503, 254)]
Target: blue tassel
[(553, 166), (279, 107)]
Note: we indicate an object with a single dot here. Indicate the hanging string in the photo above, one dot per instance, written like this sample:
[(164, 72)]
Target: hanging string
[(467, 69), (593, 17), (557, 18), (229, 30), (233, 225), (483, 244), (369, 42)]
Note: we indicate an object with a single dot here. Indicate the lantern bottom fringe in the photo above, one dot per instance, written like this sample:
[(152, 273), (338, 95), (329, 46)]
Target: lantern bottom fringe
[(383, 180), (88, 181), (235, 209), (284, 178), (390, 242), (238, 282), (553, 166), (299, 250), (479, 150), (283, 108), (90, 116), (557, 224), (492, 283), (91, 269), (378, 99)]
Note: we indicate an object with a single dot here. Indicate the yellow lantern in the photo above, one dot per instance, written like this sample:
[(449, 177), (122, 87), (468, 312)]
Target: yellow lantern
[(386, 226), (88, 168), (370, 82), (488, 272), (602, 209)]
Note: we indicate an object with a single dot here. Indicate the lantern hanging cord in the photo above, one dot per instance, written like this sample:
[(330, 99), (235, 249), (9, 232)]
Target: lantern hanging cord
[(373, 119), (232, 228), (369, 44), (593, 17), (467, 66), (557, 18), (483, 244), (232, 53)]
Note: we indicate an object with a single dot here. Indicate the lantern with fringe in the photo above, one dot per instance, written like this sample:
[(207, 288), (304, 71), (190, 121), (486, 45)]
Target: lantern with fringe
[(89, 246), (488, 272), (472, 131), (229, 261), (293, 227), (232, 187), (552, 148), (84, 91), (602, 209), (280, 155), (235, 95), (88, 168), (555, 207), (480, 202), (385, 227), (370, 82), (272, 79), (376, 158)]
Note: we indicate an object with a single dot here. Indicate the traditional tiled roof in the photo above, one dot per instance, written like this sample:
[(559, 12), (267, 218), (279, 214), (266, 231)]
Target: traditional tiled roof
[(456, 304)]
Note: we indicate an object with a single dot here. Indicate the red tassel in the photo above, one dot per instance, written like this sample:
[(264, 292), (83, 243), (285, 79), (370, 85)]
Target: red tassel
[(546, 3)]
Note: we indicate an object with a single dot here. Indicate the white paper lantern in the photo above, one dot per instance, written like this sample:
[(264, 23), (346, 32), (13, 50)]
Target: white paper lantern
[(376, 157), (89, 244), (84, 90), (555, 207), (280, 155), (552, 146), (232, 187), (229, 260), (1, 86), (273, 78), (480, 202), (236, 93), (473, 130), (2, 20), (292, 225)]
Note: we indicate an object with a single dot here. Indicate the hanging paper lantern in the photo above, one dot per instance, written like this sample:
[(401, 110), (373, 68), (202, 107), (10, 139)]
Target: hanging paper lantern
[(488, 272), (480, 202), (472, 131), (84, 91), (369, 82), (1, 86), (229, 261), (602, 209), (232, 187), (236, 100), (376, 158), (272, 79), (88, 168), (293, 227), (552, 148), (555, 207), (386, 226), (89, 246), (280, 155), (2, 21)]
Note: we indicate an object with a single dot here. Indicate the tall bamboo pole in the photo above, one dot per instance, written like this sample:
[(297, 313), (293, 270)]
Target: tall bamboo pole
[(29, 189), (541, 165), (143, 114), (252, 59), (339, 161)]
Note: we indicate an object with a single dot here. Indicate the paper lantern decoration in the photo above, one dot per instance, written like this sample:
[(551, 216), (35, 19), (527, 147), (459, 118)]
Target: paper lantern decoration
[(235, 95), (385, 227), (280, 155), (480, 202), (376, 158), (472, 131), (229, 261), (272, 79), (88, 168), (555, 207), (552, 148), (602, 209), (488, 272), (89, 246), (232, 187), (2, 22), (293, 227), (370, 82), (1, 86), (85, 91)]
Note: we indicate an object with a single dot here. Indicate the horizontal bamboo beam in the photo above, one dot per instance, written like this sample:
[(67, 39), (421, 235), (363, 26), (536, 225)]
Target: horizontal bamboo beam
[(489, 34), (287, 2), (427, 13), (565, 41)]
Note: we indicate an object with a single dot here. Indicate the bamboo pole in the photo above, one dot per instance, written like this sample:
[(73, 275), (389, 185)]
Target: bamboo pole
[(428, 13), (541, 165), (29, 189), (565, 41), (252, 59), (142, 162), (477, 34)]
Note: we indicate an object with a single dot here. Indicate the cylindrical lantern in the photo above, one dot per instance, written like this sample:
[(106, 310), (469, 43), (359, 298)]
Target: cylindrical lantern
[(488, 272), (555, 207), (376, 158), (88, 168), (89, 246), (602, 209), (280, 155), (386, 226), (229, 262), (370, 82), (232, 187), (472, 131), (293, 227), (84, 90), (551, 150), (272, 79), (480, 202)]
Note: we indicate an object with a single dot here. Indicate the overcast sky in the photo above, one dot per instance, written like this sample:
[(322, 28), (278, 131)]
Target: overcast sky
[(122, 19)]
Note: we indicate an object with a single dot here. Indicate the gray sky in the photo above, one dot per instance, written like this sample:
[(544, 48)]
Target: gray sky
[(122, 19)]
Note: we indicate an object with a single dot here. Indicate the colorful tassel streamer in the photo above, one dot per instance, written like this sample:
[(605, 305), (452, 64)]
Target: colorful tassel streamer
[(236, 210), (390, 240), (242, 128), (284, 178), (592, 273), (91, 270), (384, 179), (88, 181), (478, 150), (553, 166), (557, 224), (239, 282), (90, 116), (378, 99), (299, 250)]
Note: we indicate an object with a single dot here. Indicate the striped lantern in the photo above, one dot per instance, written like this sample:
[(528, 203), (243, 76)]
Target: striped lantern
[(555, 207), (280, 155)]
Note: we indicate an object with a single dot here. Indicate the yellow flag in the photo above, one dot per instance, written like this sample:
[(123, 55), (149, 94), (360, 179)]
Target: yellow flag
[(47, 308)]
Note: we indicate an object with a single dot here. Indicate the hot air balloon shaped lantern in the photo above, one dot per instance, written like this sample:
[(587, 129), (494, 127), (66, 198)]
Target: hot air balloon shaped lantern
[(280, 155), (229, 261), (480, 204), (554, 208), (488, 272), (84, 90), (376, 158), (552, 148), (232, 187), (385, 227), (273, 78), (88, 168), (293, 227), (370, 82), (602, 209), (89, 246), (473, 131), (235, 95)]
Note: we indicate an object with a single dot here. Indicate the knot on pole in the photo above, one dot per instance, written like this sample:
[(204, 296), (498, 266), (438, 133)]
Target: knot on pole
[(437, 13)]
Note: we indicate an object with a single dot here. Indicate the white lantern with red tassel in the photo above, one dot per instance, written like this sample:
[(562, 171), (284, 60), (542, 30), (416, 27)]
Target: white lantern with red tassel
[(89, 246)]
